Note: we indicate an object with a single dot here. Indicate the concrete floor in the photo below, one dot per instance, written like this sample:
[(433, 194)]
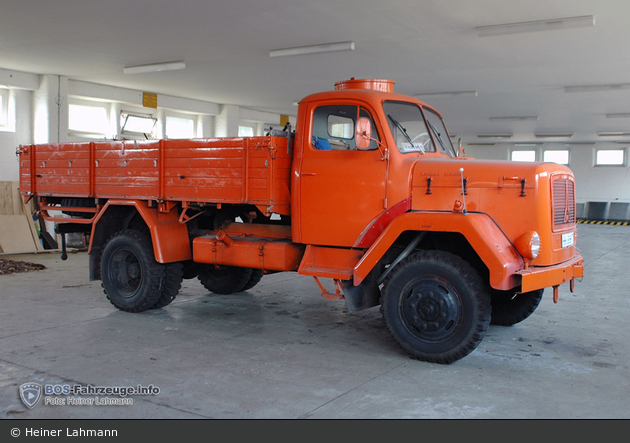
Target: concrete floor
[(282, 351)]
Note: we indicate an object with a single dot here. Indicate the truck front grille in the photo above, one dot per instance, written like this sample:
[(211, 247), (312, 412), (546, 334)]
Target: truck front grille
[(563, 200)]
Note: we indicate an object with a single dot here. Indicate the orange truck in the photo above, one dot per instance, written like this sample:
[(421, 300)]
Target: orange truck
[(368, 191)]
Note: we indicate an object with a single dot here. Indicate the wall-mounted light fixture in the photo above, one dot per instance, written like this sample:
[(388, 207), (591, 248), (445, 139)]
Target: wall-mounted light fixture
[(447, 94), (515, 119), (536, 26), (155, 67), (597, 88), (613, 134), (314, 49), (495, 136), (552, 135)]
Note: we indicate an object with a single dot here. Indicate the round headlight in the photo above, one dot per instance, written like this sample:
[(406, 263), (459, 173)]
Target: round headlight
[(528, 245)]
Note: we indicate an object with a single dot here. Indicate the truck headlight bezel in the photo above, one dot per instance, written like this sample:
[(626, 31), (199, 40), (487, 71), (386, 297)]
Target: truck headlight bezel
[(528, 245)]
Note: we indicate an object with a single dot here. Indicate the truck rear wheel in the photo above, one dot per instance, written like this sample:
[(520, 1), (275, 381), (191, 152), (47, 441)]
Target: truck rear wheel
[(224, 279), (509, 308), (131, 277), (257, 275), (436, 306), (173, 277)]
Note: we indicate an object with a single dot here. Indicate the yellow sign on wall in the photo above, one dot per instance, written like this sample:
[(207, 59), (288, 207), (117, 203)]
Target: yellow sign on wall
[(149, 100), (284, 119)]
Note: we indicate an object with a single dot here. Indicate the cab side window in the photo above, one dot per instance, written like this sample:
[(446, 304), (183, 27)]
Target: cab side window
[(334, 127)]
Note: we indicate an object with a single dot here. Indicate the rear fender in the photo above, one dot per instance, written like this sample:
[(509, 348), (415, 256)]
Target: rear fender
[(169, 236), (485, 237)]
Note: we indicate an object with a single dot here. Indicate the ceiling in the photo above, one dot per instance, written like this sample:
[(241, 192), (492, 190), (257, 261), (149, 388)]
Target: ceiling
[(426, 46)]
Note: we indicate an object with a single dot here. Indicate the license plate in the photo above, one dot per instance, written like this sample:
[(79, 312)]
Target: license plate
[(567, 239)]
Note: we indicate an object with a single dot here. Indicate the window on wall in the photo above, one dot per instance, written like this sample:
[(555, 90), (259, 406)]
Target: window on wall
[(610, 157), (88, 119), (177, 127), (245, 131), (523, 156), (3, 107), (139, 124), (556, 156), (7, 112)]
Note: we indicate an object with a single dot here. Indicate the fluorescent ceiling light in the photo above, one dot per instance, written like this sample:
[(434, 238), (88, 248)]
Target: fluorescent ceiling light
[(578, 143), (597, 88), (448, 94), (156, 67), (142, 124), (613, 134), (481, 144), (527, 145), (330, 47), (495, 136), (524, 118), (620, 115), (536, 26), (553, 135)]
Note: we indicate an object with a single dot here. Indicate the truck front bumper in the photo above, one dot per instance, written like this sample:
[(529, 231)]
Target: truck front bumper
[(534, 278)]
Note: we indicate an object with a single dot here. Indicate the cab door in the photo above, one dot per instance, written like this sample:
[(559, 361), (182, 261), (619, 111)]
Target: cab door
[(341, 188)]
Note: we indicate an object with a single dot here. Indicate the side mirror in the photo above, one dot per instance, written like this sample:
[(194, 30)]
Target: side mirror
[(363, 133)]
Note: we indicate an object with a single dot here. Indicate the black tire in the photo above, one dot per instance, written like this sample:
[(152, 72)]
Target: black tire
[(173, 277), (509, 308), (191, 270), (224, 279), (436, 306), (78, 203), (257, 275), (131, 277)]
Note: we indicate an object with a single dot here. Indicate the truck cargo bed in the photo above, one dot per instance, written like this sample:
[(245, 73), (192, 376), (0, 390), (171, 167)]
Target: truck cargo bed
[(253, 170)]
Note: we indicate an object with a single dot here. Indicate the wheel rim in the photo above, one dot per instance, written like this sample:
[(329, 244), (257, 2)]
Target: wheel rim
[(431, 309), (125, 272)]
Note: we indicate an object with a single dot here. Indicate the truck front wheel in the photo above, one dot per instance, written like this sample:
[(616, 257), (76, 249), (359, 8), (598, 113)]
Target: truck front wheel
[(132, 279), (436, 306), (509, 308)]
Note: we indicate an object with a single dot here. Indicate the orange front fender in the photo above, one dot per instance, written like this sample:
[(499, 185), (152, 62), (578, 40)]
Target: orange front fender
[(483, 234)]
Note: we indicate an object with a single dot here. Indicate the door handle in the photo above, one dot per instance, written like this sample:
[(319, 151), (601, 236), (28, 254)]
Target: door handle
[(307, 173)]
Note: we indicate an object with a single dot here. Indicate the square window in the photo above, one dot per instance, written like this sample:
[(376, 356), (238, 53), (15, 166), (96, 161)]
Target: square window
[(91, 119), (142, 124), (4, 107), (611, 157), (523, 156), (180, 127), (556, 156), (245, 131)]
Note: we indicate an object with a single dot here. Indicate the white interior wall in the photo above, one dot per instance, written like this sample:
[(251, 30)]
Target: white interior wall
[(38, 110), (593, 183), (19, 132)]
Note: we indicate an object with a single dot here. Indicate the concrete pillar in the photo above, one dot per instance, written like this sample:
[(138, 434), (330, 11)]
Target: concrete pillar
[(50, 107), (226, 123), (205, 126)]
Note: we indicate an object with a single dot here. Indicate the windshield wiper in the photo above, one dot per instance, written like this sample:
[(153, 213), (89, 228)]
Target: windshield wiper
[(438, 136), (400, 128), (404, 131)]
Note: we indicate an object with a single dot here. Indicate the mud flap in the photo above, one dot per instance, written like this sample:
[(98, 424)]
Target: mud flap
[(364, 296)]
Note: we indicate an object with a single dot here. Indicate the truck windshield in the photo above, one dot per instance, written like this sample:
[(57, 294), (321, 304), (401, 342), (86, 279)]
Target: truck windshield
[(410, 130)]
